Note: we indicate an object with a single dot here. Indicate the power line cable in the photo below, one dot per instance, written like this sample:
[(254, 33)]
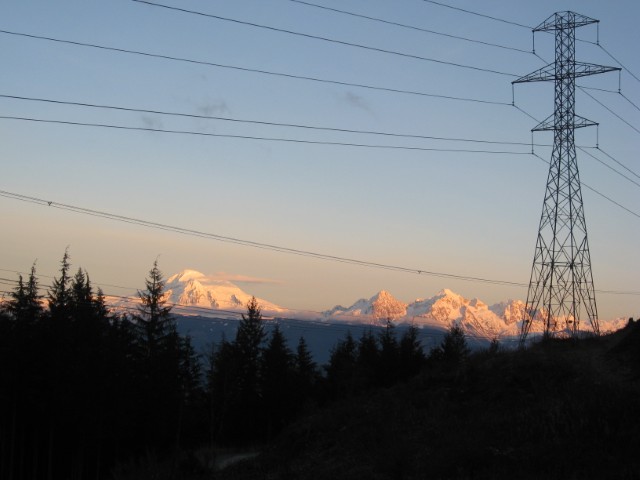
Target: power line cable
[(327, 39), (252, 137), (635, 214), (502, 20), (618, 62), (51, 276), (280, 249), (255, 70), (339, 324), (627, 99), (250, 243), (617, 92), (609, 166), (619, 163), (411, 27), (262, 122), (608, 109), (598, 89), (597, 148)]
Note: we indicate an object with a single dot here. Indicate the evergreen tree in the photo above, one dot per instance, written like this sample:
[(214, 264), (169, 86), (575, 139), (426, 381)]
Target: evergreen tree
[(412, 356), (233, 382), (158, 347), (99, 306), (190, 370), (82, 299), (277, 382), (223, 388), (454, 349), (306, 371), (190, 383), (247, 350), (24, 305), (341, 370), (154, 323), (389, 356), (494, 346), (368, 359), (250, 336), (60, 293)]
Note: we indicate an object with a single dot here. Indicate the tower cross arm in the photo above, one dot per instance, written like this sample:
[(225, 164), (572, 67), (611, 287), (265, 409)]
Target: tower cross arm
[(549, 72), (586, 69), (542, 74), (550, 124), (564, 20)]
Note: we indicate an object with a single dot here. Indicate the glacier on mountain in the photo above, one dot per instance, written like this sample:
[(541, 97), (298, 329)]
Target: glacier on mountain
[(192, 288), (193, 293), (443, 310)]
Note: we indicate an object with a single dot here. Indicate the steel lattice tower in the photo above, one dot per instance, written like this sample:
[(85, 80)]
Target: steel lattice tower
[(561, 279)]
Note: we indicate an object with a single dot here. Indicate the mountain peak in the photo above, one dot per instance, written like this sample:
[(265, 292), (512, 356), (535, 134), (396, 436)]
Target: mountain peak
[(185, 276), (445, 292), (382, 294), (382, 306), (193, 288)]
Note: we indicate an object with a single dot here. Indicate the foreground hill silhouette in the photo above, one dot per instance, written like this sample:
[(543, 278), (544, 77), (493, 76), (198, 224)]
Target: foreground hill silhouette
[(558, 410)]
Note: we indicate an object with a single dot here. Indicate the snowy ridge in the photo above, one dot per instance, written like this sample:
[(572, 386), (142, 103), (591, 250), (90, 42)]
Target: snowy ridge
[(191, 288), (445, 309), (378, 309), (211, 297)]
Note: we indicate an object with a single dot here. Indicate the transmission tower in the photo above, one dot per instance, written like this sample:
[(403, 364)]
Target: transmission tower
[(561, 278)]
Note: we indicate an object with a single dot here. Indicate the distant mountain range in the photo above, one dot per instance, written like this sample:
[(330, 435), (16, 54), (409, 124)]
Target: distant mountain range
[(195, 289), (199, 295), (441, 310)]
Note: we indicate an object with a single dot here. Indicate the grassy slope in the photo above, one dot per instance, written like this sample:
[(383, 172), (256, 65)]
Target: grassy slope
[(560, 410)]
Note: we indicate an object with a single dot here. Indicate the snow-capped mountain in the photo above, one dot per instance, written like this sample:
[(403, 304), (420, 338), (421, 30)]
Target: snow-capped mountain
[(381, 307), (441, 311), (190, 288)]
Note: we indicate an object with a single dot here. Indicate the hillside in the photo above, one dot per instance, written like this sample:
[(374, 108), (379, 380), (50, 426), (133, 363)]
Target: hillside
[(559, 410)]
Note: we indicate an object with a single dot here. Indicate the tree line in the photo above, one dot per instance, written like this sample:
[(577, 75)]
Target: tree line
[(84, 389)]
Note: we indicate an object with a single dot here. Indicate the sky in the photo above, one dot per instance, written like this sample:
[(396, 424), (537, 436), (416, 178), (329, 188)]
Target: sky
[(466, 214)]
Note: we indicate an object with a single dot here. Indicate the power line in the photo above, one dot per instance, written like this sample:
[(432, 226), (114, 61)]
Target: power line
[(479, 14), (262, 122), (255, 70), (287, 314), (277, 248), (252, 137), (608, 109), (619, 163), (597, 89), (635, 214), (627, 99), (327, 39), (251, 243), (618, 62), (592, 156), (51, 276), (609, 167), (411, 27), (501, 20), (617, 92), (338, 325)]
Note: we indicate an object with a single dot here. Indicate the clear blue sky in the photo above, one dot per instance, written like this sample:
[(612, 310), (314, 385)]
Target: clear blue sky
[(469, 214)]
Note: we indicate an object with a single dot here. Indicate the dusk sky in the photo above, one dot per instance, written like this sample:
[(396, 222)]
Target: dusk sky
[(427, 206)]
